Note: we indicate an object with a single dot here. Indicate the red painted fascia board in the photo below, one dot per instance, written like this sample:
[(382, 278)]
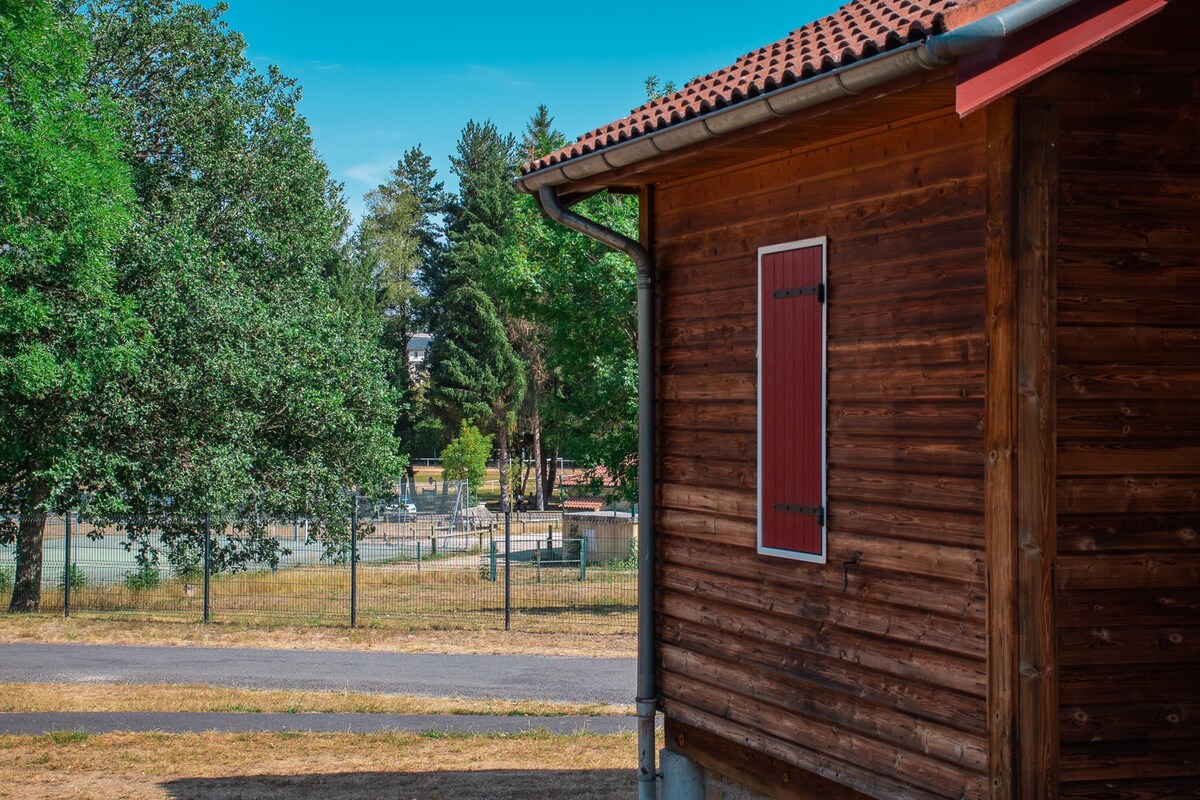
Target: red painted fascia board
[(994, 72)]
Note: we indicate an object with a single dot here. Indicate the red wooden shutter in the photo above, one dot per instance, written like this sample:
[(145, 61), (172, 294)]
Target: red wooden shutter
[(791, 400)]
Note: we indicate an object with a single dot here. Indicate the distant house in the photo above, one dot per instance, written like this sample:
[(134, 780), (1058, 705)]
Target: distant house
[(418, 351), (926, 362)]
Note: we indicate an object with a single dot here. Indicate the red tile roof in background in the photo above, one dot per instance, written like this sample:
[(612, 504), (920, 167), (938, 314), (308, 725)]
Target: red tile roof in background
[(585, 477), (583, 505), (858, 30)]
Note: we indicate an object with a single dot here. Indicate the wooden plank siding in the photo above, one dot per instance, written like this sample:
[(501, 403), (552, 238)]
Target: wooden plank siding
[(1128, 417), (869, 670)]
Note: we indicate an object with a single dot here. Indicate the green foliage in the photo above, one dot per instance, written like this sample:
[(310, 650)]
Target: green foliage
[(178, 330), (6, 581), (146, 577), (76, 576), (656, 89), (465, 458), (265, 392), (186, 559), (67, 335), (582, 298), (400, 235), (473, 370), (474, 373), (541, 137), (630, 562)]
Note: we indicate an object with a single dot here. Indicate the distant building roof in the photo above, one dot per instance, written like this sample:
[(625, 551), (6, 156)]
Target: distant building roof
[(586, 477), (581, 504), (419, 341)]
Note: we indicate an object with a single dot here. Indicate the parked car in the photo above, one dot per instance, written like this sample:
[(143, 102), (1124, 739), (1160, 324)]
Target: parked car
[(399, 512)]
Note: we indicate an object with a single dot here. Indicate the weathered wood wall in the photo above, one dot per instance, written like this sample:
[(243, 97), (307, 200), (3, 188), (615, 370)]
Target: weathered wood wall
[(869, 670), (1128, 571)]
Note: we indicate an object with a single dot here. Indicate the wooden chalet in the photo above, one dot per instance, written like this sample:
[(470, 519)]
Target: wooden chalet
[(927, 417)]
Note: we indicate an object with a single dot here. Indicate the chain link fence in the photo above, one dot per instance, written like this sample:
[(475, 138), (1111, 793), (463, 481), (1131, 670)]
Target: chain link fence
[(455, 570)]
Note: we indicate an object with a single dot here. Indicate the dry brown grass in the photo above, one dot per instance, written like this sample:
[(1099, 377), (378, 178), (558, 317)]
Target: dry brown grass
[(442, 594), (31, 697), (303, 766), (85, 628)]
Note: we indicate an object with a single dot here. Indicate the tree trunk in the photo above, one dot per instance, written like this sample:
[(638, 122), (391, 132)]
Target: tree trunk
[(539, 488), (411, 473), (502, 437), (27, 587), (551, 472)]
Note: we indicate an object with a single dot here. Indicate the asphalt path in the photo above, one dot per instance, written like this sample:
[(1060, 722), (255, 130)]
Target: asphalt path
[(40, 723), (504, 677)]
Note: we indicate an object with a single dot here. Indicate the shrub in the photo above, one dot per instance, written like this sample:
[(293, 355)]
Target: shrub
[(465, 458), (145, 578), (78, 578), (630, 561), (6, 582), (187, 563)]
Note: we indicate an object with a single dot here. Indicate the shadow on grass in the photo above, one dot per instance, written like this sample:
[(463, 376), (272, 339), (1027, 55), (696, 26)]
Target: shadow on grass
[(580, 784), (588, 610)]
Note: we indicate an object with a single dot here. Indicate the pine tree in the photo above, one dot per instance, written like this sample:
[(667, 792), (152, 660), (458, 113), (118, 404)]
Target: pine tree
[(541, 137), (473, 362), (398, 239)]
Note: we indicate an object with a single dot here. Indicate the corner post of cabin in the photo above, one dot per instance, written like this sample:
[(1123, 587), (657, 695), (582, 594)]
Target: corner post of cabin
[(1036, 510), (1000, 444)]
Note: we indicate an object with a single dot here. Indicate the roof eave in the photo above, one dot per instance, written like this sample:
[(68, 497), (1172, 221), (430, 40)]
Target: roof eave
[(847, 81)]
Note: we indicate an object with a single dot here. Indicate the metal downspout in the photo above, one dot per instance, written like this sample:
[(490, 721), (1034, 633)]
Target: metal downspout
[(647, 690)]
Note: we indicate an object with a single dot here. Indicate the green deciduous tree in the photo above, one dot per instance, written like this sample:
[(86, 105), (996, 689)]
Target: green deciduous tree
[(265, 392), (580, 297), (67, 336), (465, 458)]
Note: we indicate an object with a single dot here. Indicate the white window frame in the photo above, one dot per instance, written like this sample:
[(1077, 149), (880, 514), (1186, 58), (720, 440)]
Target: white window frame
[(800, 244)]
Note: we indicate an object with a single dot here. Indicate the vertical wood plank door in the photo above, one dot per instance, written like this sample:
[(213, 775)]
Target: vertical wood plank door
[(791, 418)]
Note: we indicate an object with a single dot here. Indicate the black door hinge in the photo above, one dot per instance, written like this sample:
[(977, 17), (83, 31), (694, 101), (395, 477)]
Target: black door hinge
[(800, 291), (812, 511)]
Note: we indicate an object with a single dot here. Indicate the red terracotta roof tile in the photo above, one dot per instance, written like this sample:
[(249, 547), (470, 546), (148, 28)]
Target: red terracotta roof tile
[(858, 30), (580, 504)]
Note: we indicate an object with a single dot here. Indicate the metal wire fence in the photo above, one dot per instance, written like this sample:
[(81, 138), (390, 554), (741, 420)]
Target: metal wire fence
[(405, 570)]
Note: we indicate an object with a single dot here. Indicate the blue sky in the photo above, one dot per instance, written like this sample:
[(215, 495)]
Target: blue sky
[(380, 78)]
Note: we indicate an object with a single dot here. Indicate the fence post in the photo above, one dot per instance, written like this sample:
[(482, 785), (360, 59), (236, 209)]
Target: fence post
[(354, 563), (507, 565), (67, 566), (549, 537), (207, 560), (583, 559), (418, 555), (537, 560), (492, 561)]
